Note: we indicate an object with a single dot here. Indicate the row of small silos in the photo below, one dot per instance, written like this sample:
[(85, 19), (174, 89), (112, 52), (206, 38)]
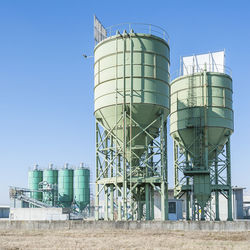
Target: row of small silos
[(72, 185)]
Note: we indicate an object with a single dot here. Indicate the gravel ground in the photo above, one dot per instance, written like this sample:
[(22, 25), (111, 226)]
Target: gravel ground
[(123, 239)]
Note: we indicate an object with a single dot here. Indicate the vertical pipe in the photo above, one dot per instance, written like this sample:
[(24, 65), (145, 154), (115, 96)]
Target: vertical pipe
[(147, 198), (131, 136), (217, 215), (97, 175), (106, 176), (176, 171), (116, 120), (152, 188), (205, 119), (164, 207), (229, 200), (112, 186), (205, 133), (188, 192), (124, 132), (166, 165)]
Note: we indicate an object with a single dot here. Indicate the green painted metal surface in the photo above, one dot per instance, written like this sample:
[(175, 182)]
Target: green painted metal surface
[(34, 178), (51, 177), (187, 110), (65, 187), (140, 61), (201, 122), (131, 107), (82, 188)]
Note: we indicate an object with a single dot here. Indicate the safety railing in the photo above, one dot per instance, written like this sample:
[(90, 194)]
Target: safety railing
[(138, 28), (198, 68)]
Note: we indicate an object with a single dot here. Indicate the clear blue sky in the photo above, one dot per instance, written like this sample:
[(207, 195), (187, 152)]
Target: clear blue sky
[(46, 87)]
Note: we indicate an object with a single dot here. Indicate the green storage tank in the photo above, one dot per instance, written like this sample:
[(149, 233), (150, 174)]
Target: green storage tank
[(113, 69), (35, 176), (81, 187), (131, 95), (50, 176), (65, 186), (187, 110), (201, 122)]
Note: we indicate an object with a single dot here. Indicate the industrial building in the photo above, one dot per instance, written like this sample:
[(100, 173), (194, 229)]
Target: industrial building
[(4, 211)]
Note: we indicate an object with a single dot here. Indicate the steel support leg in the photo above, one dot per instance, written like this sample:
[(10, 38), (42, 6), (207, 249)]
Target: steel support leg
[(217, 213), (96, 202), (187, 203), (106, 205), (229, 200), (112, 202), (152, 215), (163, 202), (147, 199)]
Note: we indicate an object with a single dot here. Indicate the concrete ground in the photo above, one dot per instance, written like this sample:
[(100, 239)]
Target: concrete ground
[(122, 239)]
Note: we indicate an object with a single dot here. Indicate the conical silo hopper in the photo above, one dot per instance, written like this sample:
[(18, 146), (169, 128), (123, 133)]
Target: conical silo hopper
[(189, 115)]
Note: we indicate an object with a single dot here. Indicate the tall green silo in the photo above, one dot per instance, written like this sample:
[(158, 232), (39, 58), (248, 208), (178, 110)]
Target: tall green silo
[(65, 186), (201, 123), (35, 176), (81, 187), (50, 177), (131, 96)]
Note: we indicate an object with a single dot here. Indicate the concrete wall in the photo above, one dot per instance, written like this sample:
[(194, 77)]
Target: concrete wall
[(140, 225), (38, 214)]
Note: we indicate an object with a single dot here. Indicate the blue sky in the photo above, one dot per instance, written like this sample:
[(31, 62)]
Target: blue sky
[(46, 87)]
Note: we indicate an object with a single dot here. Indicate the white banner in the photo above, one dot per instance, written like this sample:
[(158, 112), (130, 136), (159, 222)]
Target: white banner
[(215, 62), (100, 32)]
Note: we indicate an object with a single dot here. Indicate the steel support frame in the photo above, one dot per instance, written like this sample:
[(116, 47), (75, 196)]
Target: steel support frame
[(126, 187), (220, 181)]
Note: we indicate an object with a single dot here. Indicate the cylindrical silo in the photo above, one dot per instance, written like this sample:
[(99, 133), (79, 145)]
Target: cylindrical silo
[(35, 176), (81, 187), (65, 186), (201, 122), (50, 177), (131, 107)]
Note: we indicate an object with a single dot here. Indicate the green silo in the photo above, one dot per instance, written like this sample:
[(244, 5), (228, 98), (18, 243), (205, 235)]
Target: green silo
[(65, 186), (50, 177), (201, 123), (81, 187), (131, 96), (35, 176)]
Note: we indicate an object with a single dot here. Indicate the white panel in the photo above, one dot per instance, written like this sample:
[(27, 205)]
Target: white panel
[(214, 62), (100, 32)]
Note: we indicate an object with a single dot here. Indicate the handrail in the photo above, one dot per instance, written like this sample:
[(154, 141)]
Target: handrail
[(137, 28), (193, 69)]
